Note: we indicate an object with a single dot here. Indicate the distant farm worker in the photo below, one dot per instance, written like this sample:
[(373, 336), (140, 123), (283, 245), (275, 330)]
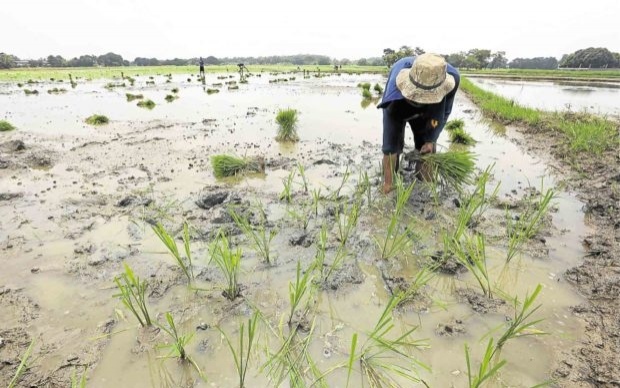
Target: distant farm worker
[(419, 91), (201, 63)]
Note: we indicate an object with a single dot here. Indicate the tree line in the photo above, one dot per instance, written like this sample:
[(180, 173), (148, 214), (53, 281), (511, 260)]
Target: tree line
[(592, 57)]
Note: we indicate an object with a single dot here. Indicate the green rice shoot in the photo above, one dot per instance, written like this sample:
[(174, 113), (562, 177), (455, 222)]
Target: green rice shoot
[(287, 122), (131, 97), (378, 89), (227, 165), (97, 120), (455, 124), (460, 136), (148, 104), (5, 126), (170, 97), (212, 91), (452, 169), (366, 94)]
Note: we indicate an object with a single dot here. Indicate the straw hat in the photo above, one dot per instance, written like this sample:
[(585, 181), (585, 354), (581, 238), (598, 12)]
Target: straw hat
[(427, 82)]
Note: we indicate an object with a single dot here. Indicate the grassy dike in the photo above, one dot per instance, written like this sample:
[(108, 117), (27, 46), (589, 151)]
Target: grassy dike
[(579, 132)]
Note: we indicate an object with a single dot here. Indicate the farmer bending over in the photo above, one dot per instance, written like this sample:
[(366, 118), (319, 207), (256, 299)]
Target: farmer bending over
[(419, 91)]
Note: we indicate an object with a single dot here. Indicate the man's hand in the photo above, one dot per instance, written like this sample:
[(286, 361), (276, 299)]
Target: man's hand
[(427, 148)]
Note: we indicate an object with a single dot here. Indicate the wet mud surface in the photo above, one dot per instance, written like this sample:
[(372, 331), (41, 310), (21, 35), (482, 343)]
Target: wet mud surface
[(77, 202)]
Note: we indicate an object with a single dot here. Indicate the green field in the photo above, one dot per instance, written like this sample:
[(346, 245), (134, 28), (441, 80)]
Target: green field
[(546, 74), (45, 73), (582, 132)]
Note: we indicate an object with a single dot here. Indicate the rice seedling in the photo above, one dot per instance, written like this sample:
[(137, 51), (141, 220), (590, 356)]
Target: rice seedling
[(227, 165), (148, 104), (472, 255), (73, 83), (112, 85), (364, 86), (170, 97), (171, 244), (424, 275), (339, 257), (260, 236), (298, 290), (364, 187), (452, 169), (381, 359), (528, 223), (459, 136), (131, 80), (454, 124), (242, 354), (175, 90), (31, 92), (5, 126), (287, 192), (229, 263), (321, 247), (22, 367), (132, 292), (131, 97), (217, 85), (179, 341), (287, 123), (233, 87), (78, 383), (19, 84), (56, 91), (488, 366), (397, 237), (302, 216), (97, 120), (212, 91), (347, 220), (31, 82), (150, 82), (345, 177), (519, 325), (302, 174), (378, 89), (366, 94), (316, 198)]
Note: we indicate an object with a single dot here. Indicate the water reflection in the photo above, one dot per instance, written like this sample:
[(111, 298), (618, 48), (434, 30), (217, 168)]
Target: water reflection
[(366, 102)]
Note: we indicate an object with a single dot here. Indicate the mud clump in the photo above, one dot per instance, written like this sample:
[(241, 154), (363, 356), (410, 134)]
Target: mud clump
[(39, 160), (301, 239), (451, 329), (10, 196), (210, 200), (446, 263), (349, 273), (132, 200), (479, 303), (13, 146)]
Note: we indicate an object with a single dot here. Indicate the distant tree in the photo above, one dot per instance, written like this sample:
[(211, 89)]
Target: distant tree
[(389, 57), (534, 63), (110, 59), (7, 61), (83, 61), (498, 60), (36, 62), (479, 58), (592, 57), (211, 60), (405, 51), (345, 62), (418, 51), (471, 62), (56, 61), (362, 62), (457, 59)]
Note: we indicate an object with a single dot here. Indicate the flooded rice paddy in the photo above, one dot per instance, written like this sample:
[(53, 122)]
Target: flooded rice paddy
[(81, 200)]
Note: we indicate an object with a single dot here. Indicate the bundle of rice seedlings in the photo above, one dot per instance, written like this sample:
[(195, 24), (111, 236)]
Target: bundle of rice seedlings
[(233, 87), (366, 94), (131, 97), (365, 85), (31, 91), (461, 137), (170, 97), (148, 104), (97, 120), (452, 169), (56, 91), (287, 120), (455, 124), (6, 126), (378, 89), (211, 91), (227, 165)]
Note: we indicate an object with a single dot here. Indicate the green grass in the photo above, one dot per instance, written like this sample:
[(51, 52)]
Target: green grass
[(97, 120), (5, 126), (287, 125), (542, 73), (148, 104), (132, 292), (366, 94), (581, 132), (243, 353), (22, 367), (131, 97), (169, 242), (460, 136), (259, 235)]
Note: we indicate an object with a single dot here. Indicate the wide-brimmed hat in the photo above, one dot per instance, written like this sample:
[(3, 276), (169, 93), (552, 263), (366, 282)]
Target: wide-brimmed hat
[(427, 82)]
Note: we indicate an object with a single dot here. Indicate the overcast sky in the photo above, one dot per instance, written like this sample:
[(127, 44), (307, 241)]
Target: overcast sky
[(340, 29)]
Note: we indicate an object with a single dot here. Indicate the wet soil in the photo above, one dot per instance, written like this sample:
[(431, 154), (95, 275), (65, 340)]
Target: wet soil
[(77, 202)]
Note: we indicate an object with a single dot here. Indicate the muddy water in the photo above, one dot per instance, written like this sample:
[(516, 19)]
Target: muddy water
[(64, 240), (558, 96)]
